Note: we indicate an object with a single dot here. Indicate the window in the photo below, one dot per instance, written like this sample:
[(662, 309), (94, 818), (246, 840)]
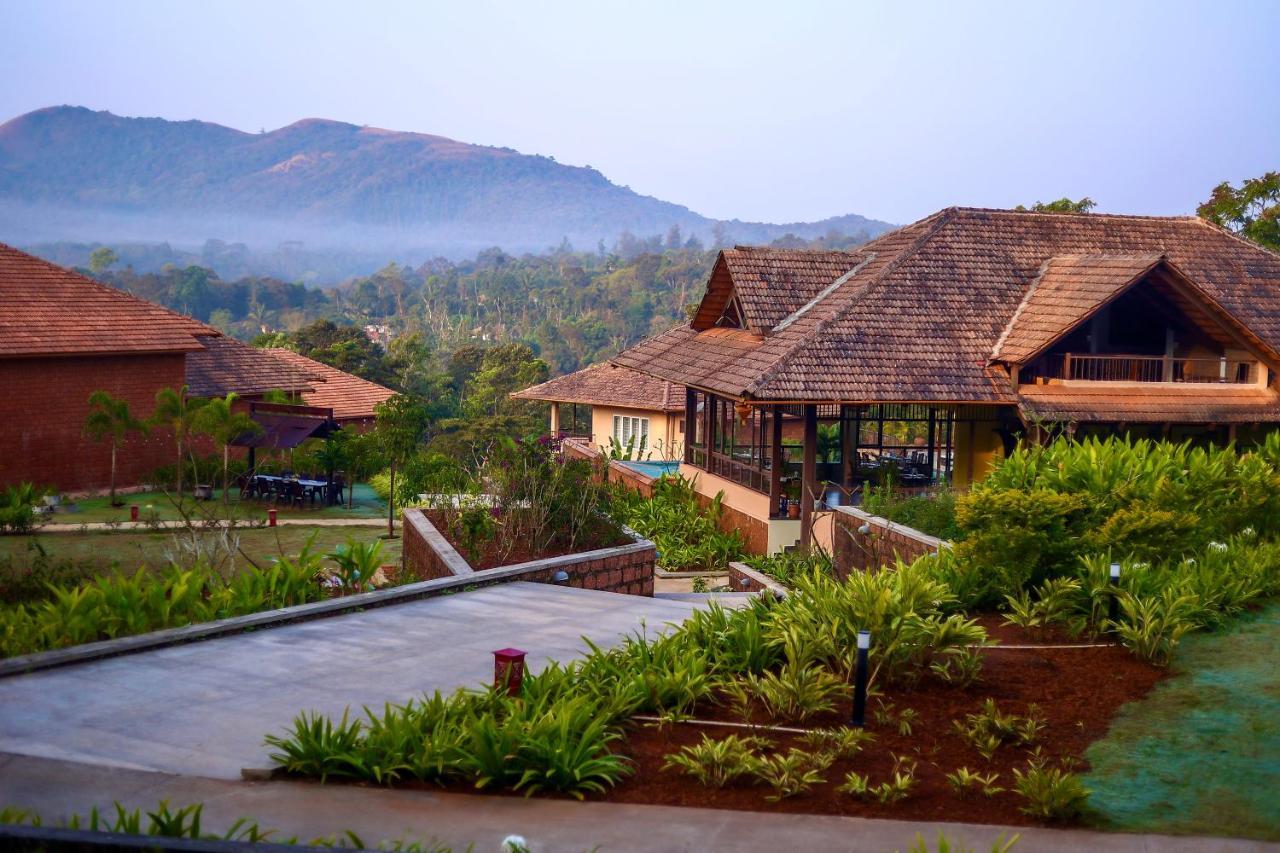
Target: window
[(631, 430)]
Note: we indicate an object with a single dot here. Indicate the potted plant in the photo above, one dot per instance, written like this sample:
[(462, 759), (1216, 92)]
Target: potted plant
[(793, 498)]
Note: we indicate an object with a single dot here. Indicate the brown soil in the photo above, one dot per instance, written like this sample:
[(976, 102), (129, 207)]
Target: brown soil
[(509, 550), (1077, 690)]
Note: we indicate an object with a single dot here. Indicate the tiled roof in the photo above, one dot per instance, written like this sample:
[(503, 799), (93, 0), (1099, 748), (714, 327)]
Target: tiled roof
[(920, 317), (1068, 290), (605, 385), (350, 397), (225, 365), (1151, 404), (47, 310), (772, 283)]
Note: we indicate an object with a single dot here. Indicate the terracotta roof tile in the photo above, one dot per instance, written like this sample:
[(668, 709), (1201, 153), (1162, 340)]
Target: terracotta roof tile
[(920, 319), (350, 397), (226, 365), (48, 310), (1151, 404), (772, 283), (605, 385)]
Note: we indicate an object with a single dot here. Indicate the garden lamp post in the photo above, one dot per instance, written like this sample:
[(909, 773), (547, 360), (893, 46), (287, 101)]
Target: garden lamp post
[(1114, 611), (860, 681)]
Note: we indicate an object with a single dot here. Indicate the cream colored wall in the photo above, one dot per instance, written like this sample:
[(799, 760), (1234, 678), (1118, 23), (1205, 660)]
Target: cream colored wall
[(744, 500), (977, 449), (666, 441)]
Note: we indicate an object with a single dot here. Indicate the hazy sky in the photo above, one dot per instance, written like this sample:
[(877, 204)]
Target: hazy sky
[(775, 111)]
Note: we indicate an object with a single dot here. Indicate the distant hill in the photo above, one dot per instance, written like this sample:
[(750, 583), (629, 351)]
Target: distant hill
[(69, 173)]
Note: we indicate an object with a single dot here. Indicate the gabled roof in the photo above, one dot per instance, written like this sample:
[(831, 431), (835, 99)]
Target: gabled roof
[(605, 385), (1069, 289), (1137, 403), (769, 283), (921, 316), (227, 366), (46, 310), (350, 397)]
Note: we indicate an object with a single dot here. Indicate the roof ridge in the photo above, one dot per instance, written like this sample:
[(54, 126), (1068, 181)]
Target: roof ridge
[(940, 218), (823, 294), (1061, 214), (1022, 305)]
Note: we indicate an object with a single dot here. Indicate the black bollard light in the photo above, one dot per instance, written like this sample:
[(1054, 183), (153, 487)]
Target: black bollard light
[(860, 680), (1115, 592)]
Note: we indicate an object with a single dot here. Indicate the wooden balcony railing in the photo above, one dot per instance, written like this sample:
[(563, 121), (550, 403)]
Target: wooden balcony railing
[(731, 469), (1155, 368)]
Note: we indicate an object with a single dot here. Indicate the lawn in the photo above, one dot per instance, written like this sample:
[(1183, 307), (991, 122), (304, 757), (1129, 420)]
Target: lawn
[(162, 506), (66, 557), (1201, 753)]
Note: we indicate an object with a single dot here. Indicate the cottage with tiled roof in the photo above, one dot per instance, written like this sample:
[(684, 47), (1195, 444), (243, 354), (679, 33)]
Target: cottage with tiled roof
[(603, 402), (928, 352), (64, 336)]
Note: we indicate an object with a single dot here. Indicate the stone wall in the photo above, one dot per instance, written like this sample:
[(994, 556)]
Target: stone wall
[(886, 541), (743, 578), (625, 568)]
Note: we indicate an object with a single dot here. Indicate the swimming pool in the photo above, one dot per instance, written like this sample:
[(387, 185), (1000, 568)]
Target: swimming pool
[(654, 470)]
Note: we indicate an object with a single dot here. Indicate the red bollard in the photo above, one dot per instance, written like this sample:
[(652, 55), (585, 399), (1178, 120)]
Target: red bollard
[(508, 669), (133, 513), (271, 518)]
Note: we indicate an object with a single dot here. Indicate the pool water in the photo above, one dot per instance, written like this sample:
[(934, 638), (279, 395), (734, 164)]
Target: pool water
[(654, 470)]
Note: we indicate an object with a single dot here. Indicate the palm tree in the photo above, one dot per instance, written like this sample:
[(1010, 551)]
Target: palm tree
[(218, 419), (110, 417), (177, 412)]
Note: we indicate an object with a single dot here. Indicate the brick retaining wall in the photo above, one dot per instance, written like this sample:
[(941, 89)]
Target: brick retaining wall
[(887, 542), (625, 568), (743, 578)]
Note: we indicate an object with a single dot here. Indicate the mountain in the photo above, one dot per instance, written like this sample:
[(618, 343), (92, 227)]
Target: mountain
[(69, 173)]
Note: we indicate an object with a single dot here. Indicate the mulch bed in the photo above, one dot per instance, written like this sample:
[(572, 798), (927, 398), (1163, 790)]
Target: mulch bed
[(1078, 691), (509, 550)]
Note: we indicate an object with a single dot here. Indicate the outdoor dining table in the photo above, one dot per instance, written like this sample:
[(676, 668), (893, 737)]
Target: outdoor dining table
[(320, 486)]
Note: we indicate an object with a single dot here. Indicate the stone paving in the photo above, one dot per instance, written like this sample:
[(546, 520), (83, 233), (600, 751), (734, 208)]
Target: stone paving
[(203, 708)]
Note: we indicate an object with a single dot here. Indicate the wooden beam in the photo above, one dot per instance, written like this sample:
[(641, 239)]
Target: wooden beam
[(690, 422), (775, 463), (809, 478), (848, 448)]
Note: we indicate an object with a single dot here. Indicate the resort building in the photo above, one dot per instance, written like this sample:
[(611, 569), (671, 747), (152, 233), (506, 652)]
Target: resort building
[(64, 336), (928, 353), (603, 404)]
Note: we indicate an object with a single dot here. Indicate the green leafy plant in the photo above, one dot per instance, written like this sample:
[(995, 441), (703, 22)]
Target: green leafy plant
[(990, 728), (959, 668), (715, 763), (793, 773), (1151, 626), (356, 562), (964, 780), (842, 742), (1051, 793)]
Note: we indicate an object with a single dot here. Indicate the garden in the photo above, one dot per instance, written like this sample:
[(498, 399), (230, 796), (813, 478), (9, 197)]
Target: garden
[(993, 666)]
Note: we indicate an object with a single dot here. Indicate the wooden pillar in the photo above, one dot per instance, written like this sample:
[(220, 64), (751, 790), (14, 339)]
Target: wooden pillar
[(809, 478), (933, 442), (848, 449), (555, 419), (708, 421), (690, 422), (775, 462)]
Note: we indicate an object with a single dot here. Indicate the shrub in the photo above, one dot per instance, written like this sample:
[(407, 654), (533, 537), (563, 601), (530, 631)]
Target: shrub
[(990, 728), (964, 780), (796, 692), (715, 763), (1050, 793), (17, 508), (687, 536), (793, 773), (787, 567), (1151, 627), (841, 742), (934, 514)]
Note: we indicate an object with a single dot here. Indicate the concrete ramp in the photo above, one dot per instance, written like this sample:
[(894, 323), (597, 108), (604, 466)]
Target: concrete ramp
[(203, 708)]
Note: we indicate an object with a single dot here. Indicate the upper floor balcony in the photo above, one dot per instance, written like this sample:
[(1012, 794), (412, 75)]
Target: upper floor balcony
[(1086, 367)]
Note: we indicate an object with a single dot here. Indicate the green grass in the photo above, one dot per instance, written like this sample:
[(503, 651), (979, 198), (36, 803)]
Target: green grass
[(99, 509), (88, 554), (1201, 753)]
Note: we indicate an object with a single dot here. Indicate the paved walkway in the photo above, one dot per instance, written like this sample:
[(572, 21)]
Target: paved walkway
[(55, 789), (202, 709)]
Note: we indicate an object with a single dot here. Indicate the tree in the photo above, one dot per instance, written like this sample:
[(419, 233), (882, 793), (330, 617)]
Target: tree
[(101, 260), (400, 422), (503, 369), (177, 413), (218, 419), (1252, 212), (110, 418), (1062, 205)]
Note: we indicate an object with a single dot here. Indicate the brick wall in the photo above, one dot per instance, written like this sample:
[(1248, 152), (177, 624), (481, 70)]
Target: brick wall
[(755, 533), (627, 568), (885, 543), (44, 402), (743, 578)]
